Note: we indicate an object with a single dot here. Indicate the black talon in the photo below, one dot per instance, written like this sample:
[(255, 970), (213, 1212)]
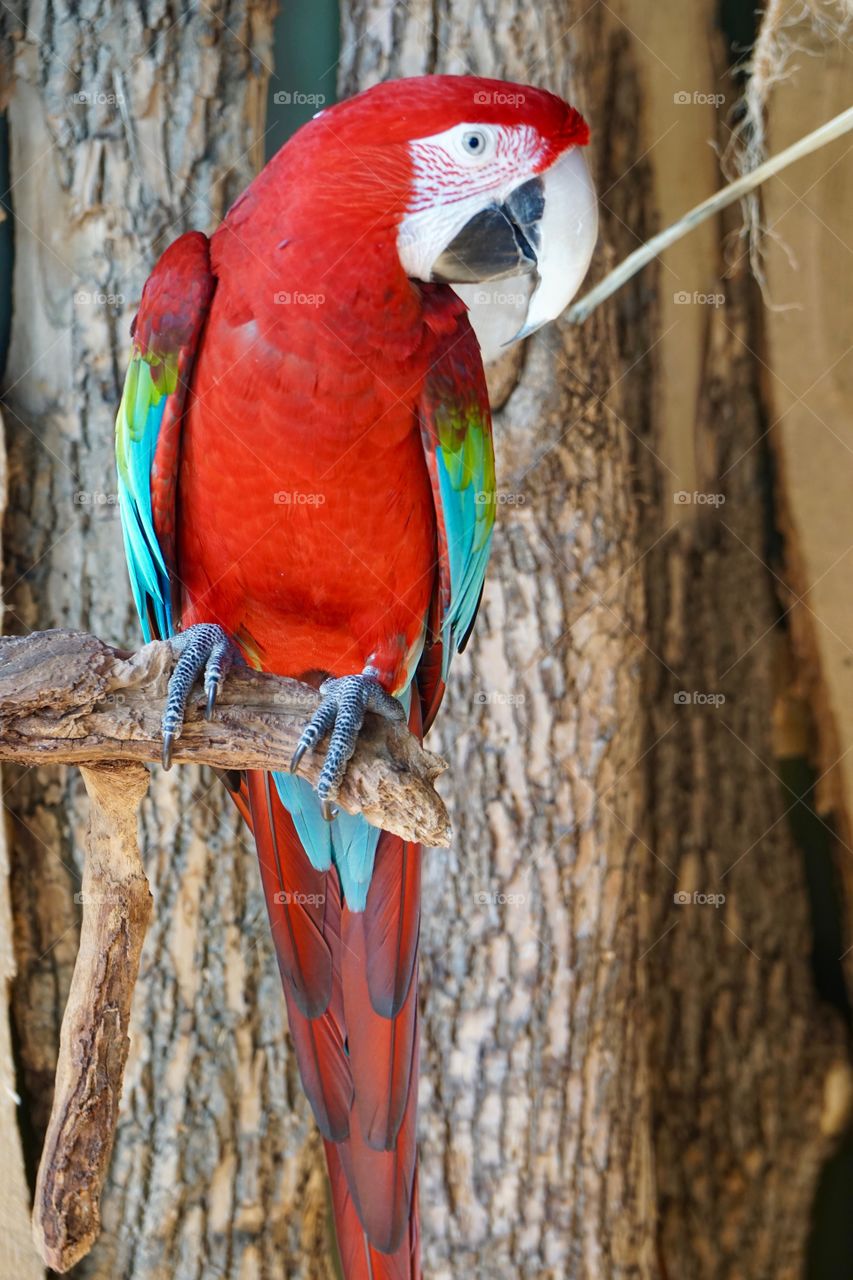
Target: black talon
[(206, 648), (340, 715)]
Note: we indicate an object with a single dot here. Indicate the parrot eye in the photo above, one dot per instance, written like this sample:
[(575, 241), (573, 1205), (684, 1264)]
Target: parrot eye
[(474, 143)]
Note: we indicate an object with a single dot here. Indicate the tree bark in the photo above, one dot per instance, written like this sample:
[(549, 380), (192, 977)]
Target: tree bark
[(216, 1166), (17, 1253), (810, 427), (620, 1083), (615, 1083)]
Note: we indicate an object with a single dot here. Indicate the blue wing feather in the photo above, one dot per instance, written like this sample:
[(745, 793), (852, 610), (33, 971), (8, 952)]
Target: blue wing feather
[(149, 575), (457, 435), (166, 330)]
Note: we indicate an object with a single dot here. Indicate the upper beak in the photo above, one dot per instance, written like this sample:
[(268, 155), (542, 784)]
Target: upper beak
[(568, 230), (498, 242), (545, 228)]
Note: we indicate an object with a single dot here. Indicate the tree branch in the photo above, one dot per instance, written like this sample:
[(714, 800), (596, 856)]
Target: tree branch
[(94, 1043), (68, 698)]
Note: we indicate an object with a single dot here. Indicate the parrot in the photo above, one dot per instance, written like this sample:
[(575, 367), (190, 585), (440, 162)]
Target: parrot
[(306, 481)]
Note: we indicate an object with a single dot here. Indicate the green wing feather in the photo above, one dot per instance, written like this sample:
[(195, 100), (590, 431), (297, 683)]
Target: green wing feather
[(166, 333), (457, 434)]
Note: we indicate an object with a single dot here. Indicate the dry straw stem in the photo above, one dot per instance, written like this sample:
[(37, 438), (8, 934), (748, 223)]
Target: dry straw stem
[(700, 213)]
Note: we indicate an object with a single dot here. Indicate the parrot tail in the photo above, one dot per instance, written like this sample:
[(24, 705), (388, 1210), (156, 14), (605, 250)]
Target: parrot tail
[(359, 1259), (350, 981)]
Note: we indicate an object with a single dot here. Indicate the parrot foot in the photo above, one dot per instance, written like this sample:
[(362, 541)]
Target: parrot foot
[(341, 714), (203, 647)]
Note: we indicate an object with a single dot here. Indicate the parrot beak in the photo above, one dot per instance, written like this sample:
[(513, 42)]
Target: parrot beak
[(565, 235), (497, 243), (541, 237)]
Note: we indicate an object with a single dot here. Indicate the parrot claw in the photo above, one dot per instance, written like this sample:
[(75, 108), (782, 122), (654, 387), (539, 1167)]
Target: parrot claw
[(206, 648), (340, 715)]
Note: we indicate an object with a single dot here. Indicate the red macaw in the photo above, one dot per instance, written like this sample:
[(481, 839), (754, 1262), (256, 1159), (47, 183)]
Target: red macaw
[(306, 481)]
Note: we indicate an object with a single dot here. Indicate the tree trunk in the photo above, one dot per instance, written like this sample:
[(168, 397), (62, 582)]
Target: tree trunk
[(619, 1082), (17, 1256), (127, 126), (615, 1082), (810, 427)]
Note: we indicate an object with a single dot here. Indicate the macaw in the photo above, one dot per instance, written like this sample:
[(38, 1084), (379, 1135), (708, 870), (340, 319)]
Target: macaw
[(307, 485)]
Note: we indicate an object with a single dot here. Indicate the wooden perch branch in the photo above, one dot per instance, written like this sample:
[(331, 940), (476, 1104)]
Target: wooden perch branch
[(65, 697), (94, 1041), (68, 698)]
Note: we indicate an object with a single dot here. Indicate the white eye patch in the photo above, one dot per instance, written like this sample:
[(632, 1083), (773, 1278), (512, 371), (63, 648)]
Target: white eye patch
[(455, 174)]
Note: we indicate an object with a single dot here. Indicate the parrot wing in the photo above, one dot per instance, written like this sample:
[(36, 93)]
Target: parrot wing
[(165, 333), (456, 429)]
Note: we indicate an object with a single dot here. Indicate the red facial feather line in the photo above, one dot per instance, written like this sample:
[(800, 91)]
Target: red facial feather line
[(437, 173)]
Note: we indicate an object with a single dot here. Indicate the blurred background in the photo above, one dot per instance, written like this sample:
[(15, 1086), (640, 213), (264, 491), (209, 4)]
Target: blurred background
[(637, 955)]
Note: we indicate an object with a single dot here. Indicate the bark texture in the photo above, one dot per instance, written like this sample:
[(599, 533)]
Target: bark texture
[(809, 424), (16, 1253), (616, 1083), (619, 1082), (129, 124)]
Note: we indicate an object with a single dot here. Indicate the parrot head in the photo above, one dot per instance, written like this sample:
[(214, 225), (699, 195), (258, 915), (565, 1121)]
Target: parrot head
[(478, 181)]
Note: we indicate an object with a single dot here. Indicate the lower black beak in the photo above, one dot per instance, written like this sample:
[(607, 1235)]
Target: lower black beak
[(498, 242)]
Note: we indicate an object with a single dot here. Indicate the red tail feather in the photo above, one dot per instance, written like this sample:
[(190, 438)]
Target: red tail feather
[(359, 1068), (380, 1048), (382, 1182), (320, 1043), (390, 923), (350, 980), (359, 1260), (296, 899)]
